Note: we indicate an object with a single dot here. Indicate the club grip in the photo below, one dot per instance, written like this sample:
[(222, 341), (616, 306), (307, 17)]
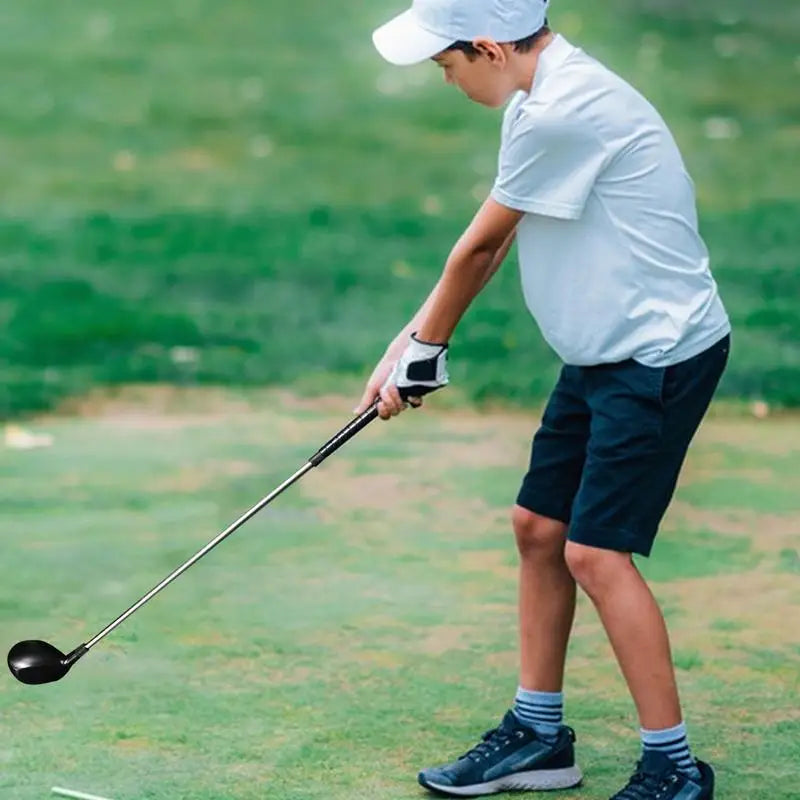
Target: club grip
[(416, 391), (345, 434)]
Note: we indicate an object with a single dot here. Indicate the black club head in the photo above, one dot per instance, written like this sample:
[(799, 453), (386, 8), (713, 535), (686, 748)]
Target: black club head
[(37, 662)]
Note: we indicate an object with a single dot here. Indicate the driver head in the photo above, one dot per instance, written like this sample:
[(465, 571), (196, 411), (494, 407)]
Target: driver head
[(37, 662)]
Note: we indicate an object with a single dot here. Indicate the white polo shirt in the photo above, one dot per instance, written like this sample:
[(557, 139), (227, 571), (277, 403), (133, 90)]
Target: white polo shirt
[(611, 261)]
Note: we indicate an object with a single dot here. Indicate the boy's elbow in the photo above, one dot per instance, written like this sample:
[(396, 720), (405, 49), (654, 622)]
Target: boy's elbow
[(487, 249), (480, 258)]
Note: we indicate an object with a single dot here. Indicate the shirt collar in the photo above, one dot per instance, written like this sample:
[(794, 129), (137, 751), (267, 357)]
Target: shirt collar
[(551, 58)]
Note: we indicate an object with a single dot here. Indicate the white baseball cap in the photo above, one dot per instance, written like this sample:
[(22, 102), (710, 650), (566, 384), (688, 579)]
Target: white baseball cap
[(431, 26)]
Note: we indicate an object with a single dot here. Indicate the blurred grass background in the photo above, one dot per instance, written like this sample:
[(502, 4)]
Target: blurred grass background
[(243, 193)]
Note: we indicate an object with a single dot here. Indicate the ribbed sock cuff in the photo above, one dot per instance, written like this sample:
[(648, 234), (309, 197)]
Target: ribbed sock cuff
[(672, 742), (543, 711)]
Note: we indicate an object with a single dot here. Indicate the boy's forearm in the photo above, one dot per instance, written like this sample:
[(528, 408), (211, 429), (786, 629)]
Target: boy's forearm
[(466, 273), (464, 277), (399, 343), (500, 257)]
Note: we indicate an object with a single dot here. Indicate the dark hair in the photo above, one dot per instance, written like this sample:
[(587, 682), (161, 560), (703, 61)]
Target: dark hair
[(520, 46)]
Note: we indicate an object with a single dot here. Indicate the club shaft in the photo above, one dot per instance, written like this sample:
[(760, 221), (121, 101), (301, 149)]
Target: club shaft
[(200, 553), (76, 795)]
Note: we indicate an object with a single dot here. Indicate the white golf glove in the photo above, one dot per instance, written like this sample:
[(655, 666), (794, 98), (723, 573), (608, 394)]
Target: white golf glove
[(422, 369)]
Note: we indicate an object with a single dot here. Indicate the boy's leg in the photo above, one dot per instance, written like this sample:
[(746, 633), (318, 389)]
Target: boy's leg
[(546, 600), (635, 628), (527, 751), (540, 519), (638, 635), (546, 611), (643, 421), (532, 750)]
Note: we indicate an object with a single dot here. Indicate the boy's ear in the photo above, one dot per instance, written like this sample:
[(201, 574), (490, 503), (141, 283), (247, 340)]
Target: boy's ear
[(490, 49)]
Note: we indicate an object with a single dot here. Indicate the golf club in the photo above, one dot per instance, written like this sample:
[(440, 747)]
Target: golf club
[(35, 662)]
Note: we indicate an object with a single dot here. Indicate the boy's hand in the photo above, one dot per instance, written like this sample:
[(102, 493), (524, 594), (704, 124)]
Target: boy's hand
[(391, 403), (421, 369), (374, 384)]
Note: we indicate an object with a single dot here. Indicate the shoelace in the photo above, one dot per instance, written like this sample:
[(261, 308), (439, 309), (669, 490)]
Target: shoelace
[(645, 786), (492, 741)]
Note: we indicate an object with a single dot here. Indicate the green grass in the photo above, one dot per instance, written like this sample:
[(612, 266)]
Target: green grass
[(201, 193), (364, 625)]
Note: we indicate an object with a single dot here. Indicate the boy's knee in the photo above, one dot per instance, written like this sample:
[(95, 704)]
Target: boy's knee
[(537, 535), (594, 568)]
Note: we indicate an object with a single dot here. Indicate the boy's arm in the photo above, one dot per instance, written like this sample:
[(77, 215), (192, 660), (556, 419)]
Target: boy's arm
[(398, 345), (473, 261), (501, 256), (401, 340)]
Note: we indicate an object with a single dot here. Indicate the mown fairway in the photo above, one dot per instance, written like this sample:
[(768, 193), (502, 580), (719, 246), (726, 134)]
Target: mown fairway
[(243, 192), (364, 625)]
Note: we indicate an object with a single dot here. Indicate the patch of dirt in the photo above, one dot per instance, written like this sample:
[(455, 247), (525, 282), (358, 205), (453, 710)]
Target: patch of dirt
[(778, 435), (503, 661), (449, 715), (698, 463), (254, 670), (193, 479), (769, 533), (700, 473), (153, 400), (497, 441), (484, 453), (488, 561), (385, 659), (782, 715), (212, 639), (342, 491), (291, 677), (138, 421), (508, 423), (441, 639), (334, 404), (762, 602), (470, 517), (135, 744)]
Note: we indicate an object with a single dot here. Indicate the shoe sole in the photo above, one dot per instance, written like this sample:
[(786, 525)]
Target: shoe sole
[(535, 780)]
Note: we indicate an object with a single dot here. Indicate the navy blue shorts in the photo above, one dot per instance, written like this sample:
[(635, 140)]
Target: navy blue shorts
[(612, 442)]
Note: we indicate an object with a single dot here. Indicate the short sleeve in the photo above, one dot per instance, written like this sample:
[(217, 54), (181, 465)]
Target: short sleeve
[(548, 166)]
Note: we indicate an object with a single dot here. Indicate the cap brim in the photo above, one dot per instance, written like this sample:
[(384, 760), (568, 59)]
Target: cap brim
[(403, 41)]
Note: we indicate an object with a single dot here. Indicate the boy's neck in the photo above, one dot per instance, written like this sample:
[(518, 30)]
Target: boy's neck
[(528, 62)]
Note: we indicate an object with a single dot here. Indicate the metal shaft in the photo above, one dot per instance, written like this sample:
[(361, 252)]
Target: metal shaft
[(76, 795), (200, 553)]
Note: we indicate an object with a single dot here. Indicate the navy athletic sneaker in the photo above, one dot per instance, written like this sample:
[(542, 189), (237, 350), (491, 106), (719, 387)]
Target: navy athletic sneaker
[(657, 778), (509, 757)]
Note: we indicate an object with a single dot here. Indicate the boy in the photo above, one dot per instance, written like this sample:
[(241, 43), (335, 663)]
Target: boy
[(614, 272)]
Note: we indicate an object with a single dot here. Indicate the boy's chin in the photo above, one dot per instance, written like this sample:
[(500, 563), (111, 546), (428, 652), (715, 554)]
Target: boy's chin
[(488, 102), (496, 101)]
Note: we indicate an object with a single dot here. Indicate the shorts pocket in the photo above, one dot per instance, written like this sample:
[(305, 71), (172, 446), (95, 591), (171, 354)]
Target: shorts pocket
[(697, 374), (654, 380)]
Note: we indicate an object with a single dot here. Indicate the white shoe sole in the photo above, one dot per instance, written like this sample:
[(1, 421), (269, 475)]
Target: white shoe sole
[(538, 779)]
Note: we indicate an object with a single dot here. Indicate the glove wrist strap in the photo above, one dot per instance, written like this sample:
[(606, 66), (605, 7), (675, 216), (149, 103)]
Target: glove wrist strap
[(424, 350)]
